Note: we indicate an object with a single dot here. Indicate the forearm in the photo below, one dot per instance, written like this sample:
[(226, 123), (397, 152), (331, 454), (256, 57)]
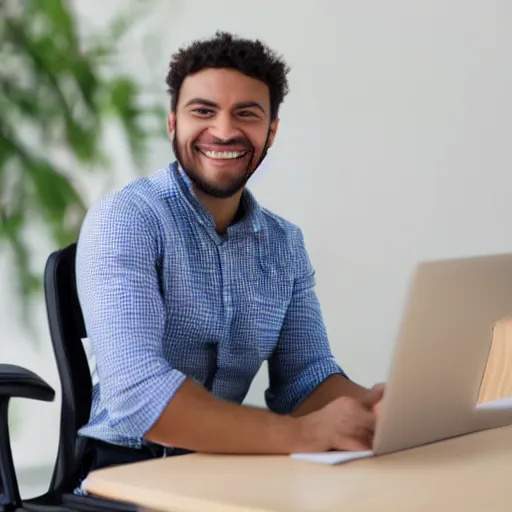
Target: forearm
[(196, 420), (331, 388)]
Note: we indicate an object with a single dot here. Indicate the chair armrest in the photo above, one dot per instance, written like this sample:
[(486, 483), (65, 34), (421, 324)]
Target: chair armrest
[(15, 382), (19, 382)]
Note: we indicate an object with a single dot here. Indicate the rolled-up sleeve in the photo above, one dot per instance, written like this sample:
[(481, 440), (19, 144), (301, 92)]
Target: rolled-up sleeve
[(303, 358), (118, 287)]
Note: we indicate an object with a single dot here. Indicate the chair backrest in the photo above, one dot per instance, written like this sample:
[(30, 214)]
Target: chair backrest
[(67, 330)]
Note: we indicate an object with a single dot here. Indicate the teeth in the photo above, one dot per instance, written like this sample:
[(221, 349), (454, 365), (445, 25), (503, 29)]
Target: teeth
[(224, 154)]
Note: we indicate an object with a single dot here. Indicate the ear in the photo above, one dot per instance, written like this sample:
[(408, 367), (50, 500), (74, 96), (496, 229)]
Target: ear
[(171, 124), (273, 130)]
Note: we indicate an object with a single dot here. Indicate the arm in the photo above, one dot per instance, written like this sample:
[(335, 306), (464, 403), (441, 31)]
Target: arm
[(304, 376), (327, 391), (197, 420), (124, 313), (337, 386), (117, 284)]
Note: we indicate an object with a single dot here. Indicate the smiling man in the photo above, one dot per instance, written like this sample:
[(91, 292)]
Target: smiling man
[(188, 286)]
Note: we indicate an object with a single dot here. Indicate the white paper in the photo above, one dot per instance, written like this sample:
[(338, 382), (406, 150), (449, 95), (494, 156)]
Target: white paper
[(501, 403), (333, 457)]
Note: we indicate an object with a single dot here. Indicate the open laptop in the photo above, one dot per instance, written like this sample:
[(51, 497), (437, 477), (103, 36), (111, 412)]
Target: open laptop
[(440, 356)]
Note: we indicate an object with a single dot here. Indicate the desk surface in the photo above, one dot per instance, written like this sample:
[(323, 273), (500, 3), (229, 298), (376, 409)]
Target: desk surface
[(467, 473)]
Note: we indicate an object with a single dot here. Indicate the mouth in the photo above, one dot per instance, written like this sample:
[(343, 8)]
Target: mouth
[(222, 155)]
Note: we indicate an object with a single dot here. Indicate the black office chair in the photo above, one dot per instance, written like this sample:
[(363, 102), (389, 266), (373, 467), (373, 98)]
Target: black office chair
[(67, 331)]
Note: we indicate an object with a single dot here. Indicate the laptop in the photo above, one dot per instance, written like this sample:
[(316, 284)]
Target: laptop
[(440, 356)]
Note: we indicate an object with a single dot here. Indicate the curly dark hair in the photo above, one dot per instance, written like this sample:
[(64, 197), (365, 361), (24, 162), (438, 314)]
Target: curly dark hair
[(250, 57)]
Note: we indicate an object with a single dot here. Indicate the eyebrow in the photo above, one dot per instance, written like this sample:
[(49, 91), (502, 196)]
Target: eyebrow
[(209, 103)]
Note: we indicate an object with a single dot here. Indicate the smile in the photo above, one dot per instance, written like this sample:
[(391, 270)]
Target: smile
[(223, 155)]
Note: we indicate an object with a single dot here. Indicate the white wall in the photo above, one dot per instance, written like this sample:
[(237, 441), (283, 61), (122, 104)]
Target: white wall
[(393, 147)]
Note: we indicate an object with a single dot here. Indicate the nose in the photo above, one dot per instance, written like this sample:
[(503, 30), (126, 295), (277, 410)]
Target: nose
[(224, 127)]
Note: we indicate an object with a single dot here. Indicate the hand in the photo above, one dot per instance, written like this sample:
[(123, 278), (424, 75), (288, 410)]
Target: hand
[(343, 424), (373, 398)]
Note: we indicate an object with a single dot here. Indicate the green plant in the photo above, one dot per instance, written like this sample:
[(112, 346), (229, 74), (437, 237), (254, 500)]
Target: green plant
[(58, 94)]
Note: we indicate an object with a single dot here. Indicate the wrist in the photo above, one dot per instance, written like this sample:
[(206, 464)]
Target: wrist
[(303, 434)]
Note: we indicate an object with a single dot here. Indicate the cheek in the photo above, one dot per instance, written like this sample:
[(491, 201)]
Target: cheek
[(258, 140), (186, 139), (187, 133)]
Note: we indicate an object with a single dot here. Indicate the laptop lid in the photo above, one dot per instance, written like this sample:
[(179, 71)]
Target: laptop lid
[(441, 352)]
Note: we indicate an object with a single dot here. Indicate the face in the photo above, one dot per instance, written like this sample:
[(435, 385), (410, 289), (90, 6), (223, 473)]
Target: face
[(221, 129)]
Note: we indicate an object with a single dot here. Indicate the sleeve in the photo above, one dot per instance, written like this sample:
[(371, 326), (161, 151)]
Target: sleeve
[(119, 292), (302, 359)]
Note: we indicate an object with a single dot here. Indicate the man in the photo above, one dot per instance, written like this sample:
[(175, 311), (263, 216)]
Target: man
[(188, 285)]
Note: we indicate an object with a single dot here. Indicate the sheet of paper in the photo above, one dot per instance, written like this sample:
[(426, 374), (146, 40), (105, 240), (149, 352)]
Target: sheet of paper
[(332, 457), (501, 403)]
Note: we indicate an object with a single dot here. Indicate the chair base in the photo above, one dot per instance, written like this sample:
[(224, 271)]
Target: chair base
[(9, 491)]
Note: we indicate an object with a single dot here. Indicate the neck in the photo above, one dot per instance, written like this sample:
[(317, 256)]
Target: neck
[(223, 211)]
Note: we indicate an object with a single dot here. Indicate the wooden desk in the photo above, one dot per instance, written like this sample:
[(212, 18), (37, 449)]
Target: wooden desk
[(467, 473)]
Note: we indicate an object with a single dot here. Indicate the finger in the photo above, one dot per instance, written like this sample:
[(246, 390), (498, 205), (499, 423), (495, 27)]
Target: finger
[(363, 433), (363, 419), (376, 410), (361, 426), (354, 421), (374, 395), (350, 443)]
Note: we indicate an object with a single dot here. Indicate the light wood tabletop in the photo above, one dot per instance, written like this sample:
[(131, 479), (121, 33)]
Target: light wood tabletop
[(467, 473)]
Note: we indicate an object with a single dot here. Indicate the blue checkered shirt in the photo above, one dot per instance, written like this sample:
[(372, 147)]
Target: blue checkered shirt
[(165, 297)]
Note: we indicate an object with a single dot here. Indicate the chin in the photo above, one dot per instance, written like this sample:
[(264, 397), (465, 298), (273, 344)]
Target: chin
[(220, 188)]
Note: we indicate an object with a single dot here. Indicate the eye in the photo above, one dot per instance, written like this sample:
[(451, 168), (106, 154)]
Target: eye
[(246, 113), (203, 111)]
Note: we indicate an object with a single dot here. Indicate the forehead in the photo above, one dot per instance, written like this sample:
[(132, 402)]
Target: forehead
[(226, 87)]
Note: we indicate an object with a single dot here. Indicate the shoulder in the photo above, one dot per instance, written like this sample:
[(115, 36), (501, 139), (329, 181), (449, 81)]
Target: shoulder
[(133, 206), (282, 230), (286, 247), (129, 219)]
